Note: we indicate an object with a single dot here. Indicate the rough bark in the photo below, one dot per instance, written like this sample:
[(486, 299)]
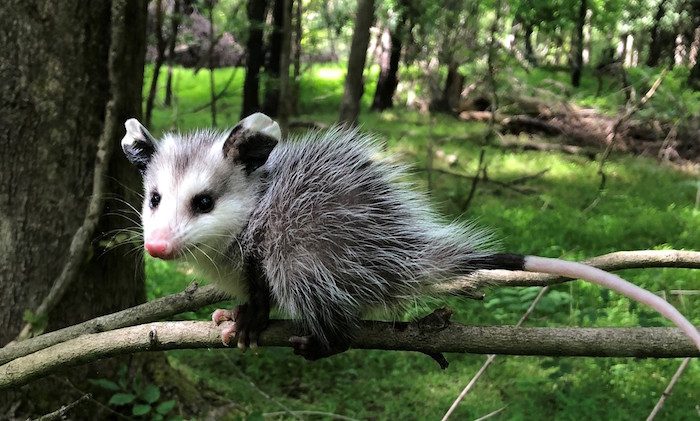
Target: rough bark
[(432, 335), (254, 57), (54, 110), (389, 67), (354, 84)]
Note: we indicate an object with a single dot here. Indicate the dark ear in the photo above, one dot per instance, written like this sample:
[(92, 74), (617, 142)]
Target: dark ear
[(138, 145), (251, 141)]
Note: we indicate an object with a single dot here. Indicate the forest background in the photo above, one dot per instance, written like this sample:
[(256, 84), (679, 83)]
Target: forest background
[(570, 128)]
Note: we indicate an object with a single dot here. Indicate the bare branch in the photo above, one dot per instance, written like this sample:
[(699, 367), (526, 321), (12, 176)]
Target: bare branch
[(610, 262), (190, 299), (668, 389), (658, 342)]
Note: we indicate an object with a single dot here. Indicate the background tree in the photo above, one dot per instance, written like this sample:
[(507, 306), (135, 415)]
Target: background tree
[(54, 115), (354, 84), (256, 10)]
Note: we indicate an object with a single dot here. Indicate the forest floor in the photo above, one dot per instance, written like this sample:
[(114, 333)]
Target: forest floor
[(536, 203)]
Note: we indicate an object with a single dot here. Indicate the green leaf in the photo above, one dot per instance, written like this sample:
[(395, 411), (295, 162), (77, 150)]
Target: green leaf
[(140, 409), (121, 399), (105, 384), (151, 394), (165, 407)]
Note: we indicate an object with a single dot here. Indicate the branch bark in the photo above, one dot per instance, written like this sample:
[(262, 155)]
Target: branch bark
[(195, 297), (190, 299), (610, 262), (398, 336)]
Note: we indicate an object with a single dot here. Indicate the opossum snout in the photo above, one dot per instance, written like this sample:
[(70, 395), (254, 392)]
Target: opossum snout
[(160, 244)]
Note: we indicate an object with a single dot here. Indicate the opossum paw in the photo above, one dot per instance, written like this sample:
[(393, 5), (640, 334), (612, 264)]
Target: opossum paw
[(219, 315), (227, 333), (309, 347), (247, 324)]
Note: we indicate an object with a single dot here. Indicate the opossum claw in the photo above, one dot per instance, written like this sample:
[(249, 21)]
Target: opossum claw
[(309, 347)]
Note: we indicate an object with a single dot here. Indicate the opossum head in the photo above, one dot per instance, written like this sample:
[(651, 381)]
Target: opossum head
[(200, 188)]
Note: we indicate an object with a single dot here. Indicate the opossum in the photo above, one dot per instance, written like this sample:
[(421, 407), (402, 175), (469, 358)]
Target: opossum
[(318, 226)]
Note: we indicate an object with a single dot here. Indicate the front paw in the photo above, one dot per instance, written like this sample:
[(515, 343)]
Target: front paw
[(247, 324)]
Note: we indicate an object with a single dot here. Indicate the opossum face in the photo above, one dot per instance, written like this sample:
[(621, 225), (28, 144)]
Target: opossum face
[(200, 188)]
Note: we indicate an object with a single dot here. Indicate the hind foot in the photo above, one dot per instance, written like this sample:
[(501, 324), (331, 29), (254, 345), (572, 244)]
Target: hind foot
[(309, 347)]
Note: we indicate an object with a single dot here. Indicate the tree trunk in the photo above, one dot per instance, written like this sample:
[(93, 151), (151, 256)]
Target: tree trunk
[(655, 45), (529, 51), (272, 65), (354, 85), (172, 42), (210, 54), (160, 58), (53, 116), (298, 33), (389, 67), (254, 59), (285, 53), (577, 48)]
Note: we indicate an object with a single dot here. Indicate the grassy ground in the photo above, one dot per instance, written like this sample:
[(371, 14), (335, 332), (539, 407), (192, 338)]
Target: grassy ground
[(645, 206)]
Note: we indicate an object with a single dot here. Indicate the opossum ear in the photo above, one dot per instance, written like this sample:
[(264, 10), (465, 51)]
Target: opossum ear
[(252, 140), (138, 145)]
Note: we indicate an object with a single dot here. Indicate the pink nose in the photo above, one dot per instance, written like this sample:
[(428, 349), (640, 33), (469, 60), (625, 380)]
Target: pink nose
[(159, 248)]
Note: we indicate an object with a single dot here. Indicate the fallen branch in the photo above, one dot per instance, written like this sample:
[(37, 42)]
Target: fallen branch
[(656, 342), (547, 147)]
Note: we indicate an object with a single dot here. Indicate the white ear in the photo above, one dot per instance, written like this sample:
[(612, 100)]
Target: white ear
[(261, 123), (138, 145)]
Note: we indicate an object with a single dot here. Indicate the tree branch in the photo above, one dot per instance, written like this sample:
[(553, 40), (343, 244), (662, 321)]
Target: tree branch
[(657, 342), (190, 299), (195, 297), (610, 262)]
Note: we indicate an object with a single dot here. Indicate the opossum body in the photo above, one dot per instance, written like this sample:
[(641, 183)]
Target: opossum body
[(317, 225)]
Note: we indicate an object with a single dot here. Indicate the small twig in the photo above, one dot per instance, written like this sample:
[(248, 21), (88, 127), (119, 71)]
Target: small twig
[(63, 410), (221, 93), (612, 135), (255, 387), (491, 357), (466, 390), (668, 389), (491, 414), (475, 181)]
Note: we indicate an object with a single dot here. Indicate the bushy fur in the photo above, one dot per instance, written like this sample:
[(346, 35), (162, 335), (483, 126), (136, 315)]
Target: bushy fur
[(337, 233)]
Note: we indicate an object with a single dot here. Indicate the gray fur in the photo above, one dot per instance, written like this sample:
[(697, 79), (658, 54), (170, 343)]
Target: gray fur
[(339, 234), (335, 230)]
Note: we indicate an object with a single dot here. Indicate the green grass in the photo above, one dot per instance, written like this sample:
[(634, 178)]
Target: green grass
[(645, 206)]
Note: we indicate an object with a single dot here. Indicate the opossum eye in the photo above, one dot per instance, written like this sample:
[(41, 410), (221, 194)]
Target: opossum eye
[(202, 203), (155, 200)]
